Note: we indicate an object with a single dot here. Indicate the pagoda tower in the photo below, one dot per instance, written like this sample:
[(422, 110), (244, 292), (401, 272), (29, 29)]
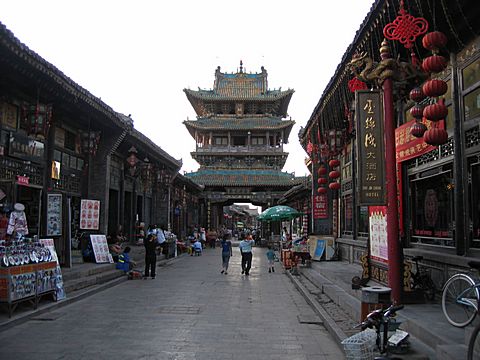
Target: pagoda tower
[(240, 132)]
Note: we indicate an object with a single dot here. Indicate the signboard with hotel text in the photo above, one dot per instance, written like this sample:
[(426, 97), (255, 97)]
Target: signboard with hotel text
[(320, 206), (370, 143)]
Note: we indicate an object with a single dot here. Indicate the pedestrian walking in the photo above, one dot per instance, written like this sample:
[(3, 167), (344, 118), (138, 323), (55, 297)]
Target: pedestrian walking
[(150, 256), (271, 259), (246, 251), (226, 253)]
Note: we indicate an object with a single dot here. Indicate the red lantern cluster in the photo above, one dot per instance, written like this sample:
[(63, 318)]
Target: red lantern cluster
[(417, 129), (334, 174), (434, 88), (322, 179)]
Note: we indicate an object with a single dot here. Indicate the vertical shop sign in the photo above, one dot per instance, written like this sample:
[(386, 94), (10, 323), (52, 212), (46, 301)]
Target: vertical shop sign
[(89, 214), (54, 214), (378, 233), (320, 206), (370, 142)]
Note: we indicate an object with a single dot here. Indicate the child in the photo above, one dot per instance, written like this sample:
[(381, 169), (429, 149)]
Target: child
[(271, 259)]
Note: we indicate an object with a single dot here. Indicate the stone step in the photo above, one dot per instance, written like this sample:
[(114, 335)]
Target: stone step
[(91, 280)]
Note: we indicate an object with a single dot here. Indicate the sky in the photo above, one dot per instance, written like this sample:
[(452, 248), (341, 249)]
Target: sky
[(139, 56)]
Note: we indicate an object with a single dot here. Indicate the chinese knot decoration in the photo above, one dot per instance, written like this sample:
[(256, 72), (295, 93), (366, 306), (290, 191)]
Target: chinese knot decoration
[(405, 29), (436, 110)]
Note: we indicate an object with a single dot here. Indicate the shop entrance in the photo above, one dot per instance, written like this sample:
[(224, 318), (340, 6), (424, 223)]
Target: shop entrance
[(113, 212), (30, 198)]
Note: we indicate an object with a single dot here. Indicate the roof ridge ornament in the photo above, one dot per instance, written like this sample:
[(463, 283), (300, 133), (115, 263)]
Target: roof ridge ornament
[(241, 66)]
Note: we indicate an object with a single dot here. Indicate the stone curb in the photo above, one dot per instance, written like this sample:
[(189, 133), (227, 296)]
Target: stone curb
[(329, 323)]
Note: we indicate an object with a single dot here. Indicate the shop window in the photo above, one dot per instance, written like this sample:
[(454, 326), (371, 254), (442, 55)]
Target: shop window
[(475, 205), (69, 140), (347, 215), (221, 140), (432, 209), (363, 225), (57, 155), (65, 160), (258, 140), (471, 104), (471, 74)]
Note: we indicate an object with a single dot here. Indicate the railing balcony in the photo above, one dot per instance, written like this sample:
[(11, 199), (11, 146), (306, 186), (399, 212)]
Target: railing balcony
[(241, 149)]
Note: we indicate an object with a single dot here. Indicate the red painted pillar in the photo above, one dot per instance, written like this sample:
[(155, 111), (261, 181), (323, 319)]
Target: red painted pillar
[(394, 249)]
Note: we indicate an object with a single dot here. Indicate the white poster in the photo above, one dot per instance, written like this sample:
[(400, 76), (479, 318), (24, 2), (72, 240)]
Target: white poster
[(89, 214), (54, 214), (100, 249), (378, 233), (60, 291)]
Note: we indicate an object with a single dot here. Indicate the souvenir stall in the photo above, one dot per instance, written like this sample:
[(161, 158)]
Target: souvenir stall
[(27, 271)]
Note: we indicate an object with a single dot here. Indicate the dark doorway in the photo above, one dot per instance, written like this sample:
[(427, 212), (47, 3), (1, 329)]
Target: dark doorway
[(113, 211), (30, 197)]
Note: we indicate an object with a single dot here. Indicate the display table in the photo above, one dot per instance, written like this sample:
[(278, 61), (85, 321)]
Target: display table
[(27, 283)]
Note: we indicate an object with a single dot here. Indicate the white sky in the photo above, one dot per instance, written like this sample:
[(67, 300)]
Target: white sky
[(138, 56)]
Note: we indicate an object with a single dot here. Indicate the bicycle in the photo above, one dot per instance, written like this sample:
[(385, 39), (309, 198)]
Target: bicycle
[(461, 297), (421, 280), (381, 319), (474, 342)]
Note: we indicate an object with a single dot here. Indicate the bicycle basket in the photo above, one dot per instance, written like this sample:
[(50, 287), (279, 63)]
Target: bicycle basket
[(360, 346)]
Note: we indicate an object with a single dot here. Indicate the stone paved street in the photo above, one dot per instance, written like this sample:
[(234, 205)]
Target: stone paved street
[(189, 312)]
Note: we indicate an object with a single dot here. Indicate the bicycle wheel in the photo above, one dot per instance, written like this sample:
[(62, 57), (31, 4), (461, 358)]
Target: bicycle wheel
[(474, 344), (460, 300)]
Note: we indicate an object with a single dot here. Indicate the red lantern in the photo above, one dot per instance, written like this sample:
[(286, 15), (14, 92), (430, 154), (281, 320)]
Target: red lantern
[(418, 129), (322, 190), (416, 94), (434, 40), (435, 87), (434, 63), (322, 180), (435, 112), (334, 174), (334, 185), (435, 136), (322, 170), (416, 111), (333, 163)]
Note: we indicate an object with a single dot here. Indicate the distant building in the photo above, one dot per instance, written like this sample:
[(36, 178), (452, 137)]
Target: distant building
[(240, 132)]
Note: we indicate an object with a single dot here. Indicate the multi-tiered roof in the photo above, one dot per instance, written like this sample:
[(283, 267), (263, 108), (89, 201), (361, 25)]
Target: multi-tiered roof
[(240, 131)]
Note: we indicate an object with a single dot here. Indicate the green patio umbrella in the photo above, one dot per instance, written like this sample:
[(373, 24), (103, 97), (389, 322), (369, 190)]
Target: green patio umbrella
[(279, 213)]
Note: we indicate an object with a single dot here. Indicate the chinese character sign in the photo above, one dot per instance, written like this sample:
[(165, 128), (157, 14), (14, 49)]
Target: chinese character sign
[(320, 206), (89, 214), (370, 143)]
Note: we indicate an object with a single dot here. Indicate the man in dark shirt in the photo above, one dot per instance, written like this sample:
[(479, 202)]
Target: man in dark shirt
[(150, 255)]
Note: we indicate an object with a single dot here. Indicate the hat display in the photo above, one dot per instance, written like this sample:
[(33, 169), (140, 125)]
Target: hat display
[(19, 207)]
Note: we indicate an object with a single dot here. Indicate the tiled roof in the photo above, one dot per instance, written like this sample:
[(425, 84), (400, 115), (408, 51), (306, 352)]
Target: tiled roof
[(243, 177), (239, 93), (239, 123)]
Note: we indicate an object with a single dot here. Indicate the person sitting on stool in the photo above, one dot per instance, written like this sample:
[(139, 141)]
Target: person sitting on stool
[(124, 263)]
